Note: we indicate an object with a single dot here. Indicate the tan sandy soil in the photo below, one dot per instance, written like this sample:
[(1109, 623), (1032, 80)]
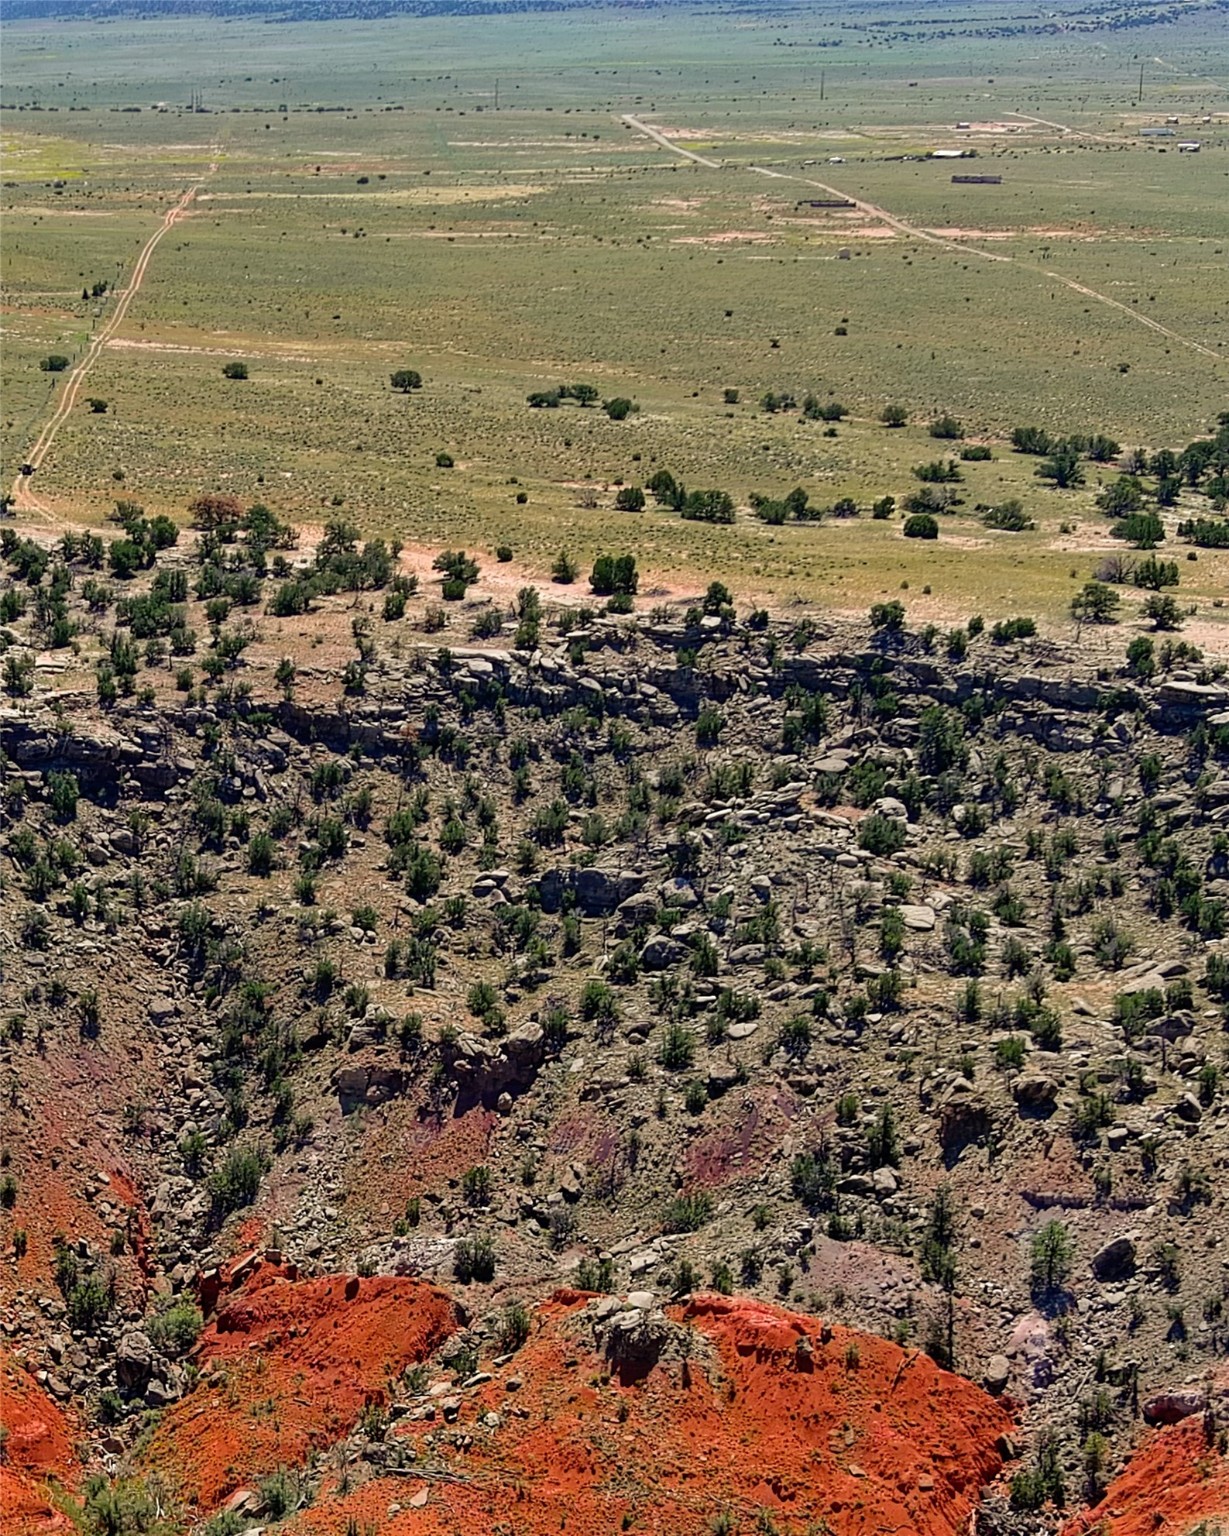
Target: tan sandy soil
[(726, 237)]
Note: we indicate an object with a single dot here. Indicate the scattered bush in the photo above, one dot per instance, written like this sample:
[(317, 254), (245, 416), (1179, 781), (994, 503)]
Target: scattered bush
[(176, 1329), (473, 1258), (689, 1212), (882, 835), (236, 1183)]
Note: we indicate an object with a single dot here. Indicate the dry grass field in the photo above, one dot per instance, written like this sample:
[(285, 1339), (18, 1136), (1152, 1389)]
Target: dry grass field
[(362, 206)]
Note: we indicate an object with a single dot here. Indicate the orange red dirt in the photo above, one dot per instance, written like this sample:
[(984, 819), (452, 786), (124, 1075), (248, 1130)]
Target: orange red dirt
[(853, 1430), (289, 1365), (57, 1152), (38, 1451), (1176, 1480)]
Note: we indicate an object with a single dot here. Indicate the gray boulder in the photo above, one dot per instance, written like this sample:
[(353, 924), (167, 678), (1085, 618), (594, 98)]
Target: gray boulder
[(1034, 1090), (997, 1373), (134, 1362), (661, 952), (1115, 1260)]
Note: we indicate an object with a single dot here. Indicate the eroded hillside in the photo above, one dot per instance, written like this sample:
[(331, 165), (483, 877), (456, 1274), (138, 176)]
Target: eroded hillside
[(513, 1065)]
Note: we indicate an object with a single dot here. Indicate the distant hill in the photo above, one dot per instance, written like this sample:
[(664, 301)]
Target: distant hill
[(278, 10), (1076, 15)]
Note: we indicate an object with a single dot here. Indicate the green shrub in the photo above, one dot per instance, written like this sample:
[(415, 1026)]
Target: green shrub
[(695, 1099), (677, 1049), (1042, 1482), (888, 617), (476, 1185), (514, 1326), (236, 1183), (1050, 1256), (812, 1179), (88, 1303), (1007, 630), (688, 1213), (710, 722), (63, 792), (882, 835), (614, 574), (474, 1259), (175, 1330), (595, 1275), (282, 1493)]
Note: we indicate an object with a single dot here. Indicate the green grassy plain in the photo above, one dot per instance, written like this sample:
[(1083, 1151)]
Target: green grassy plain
[(504, 251)]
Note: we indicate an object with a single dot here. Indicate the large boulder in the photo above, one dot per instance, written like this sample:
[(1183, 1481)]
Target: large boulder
[(722, 1076), (1115, 1260), (485, 1069), (1174, 1406), (597, 891), (634, 1339), (964, 1116), (661, 952), (369, 1085), (134, 1362), (1032, 1346), (997, 1374), (635, 911), (1034, 1090), (526, 1043)]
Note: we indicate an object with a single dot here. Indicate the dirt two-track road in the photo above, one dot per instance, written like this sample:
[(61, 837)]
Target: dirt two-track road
[(23, 497), (873, 210)]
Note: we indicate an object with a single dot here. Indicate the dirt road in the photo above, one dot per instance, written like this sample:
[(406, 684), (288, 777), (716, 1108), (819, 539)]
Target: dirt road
[(1064, 128), (914, 232), (676, 149), (23, 497)]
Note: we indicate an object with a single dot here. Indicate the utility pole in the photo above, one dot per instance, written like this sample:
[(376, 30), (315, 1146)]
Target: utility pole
[(497, 95), (1140, 100), (822, 76)]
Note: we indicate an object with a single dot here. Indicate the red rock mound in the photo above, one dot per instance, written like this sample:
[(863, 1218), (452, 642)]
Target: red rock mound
[(289, 1365), (1178, 1479), (38, 1451), (749, 1408)]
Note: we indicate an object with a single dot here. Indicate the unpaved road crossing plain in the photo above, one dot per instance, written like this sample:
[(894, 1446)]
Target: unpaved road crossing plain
[(657, 230)]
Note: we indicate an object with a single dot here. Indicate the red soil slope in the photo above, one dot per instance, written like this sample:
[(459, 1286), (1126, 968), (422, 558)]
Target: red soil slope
[(289, 1365), (77, 1173), (862, 1434), (1175, 1481), (38, 1450)]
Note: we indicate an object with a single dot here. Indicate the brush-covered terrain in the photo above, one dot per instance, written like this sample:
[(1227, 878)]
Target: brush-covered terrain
[(486, 1057)]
